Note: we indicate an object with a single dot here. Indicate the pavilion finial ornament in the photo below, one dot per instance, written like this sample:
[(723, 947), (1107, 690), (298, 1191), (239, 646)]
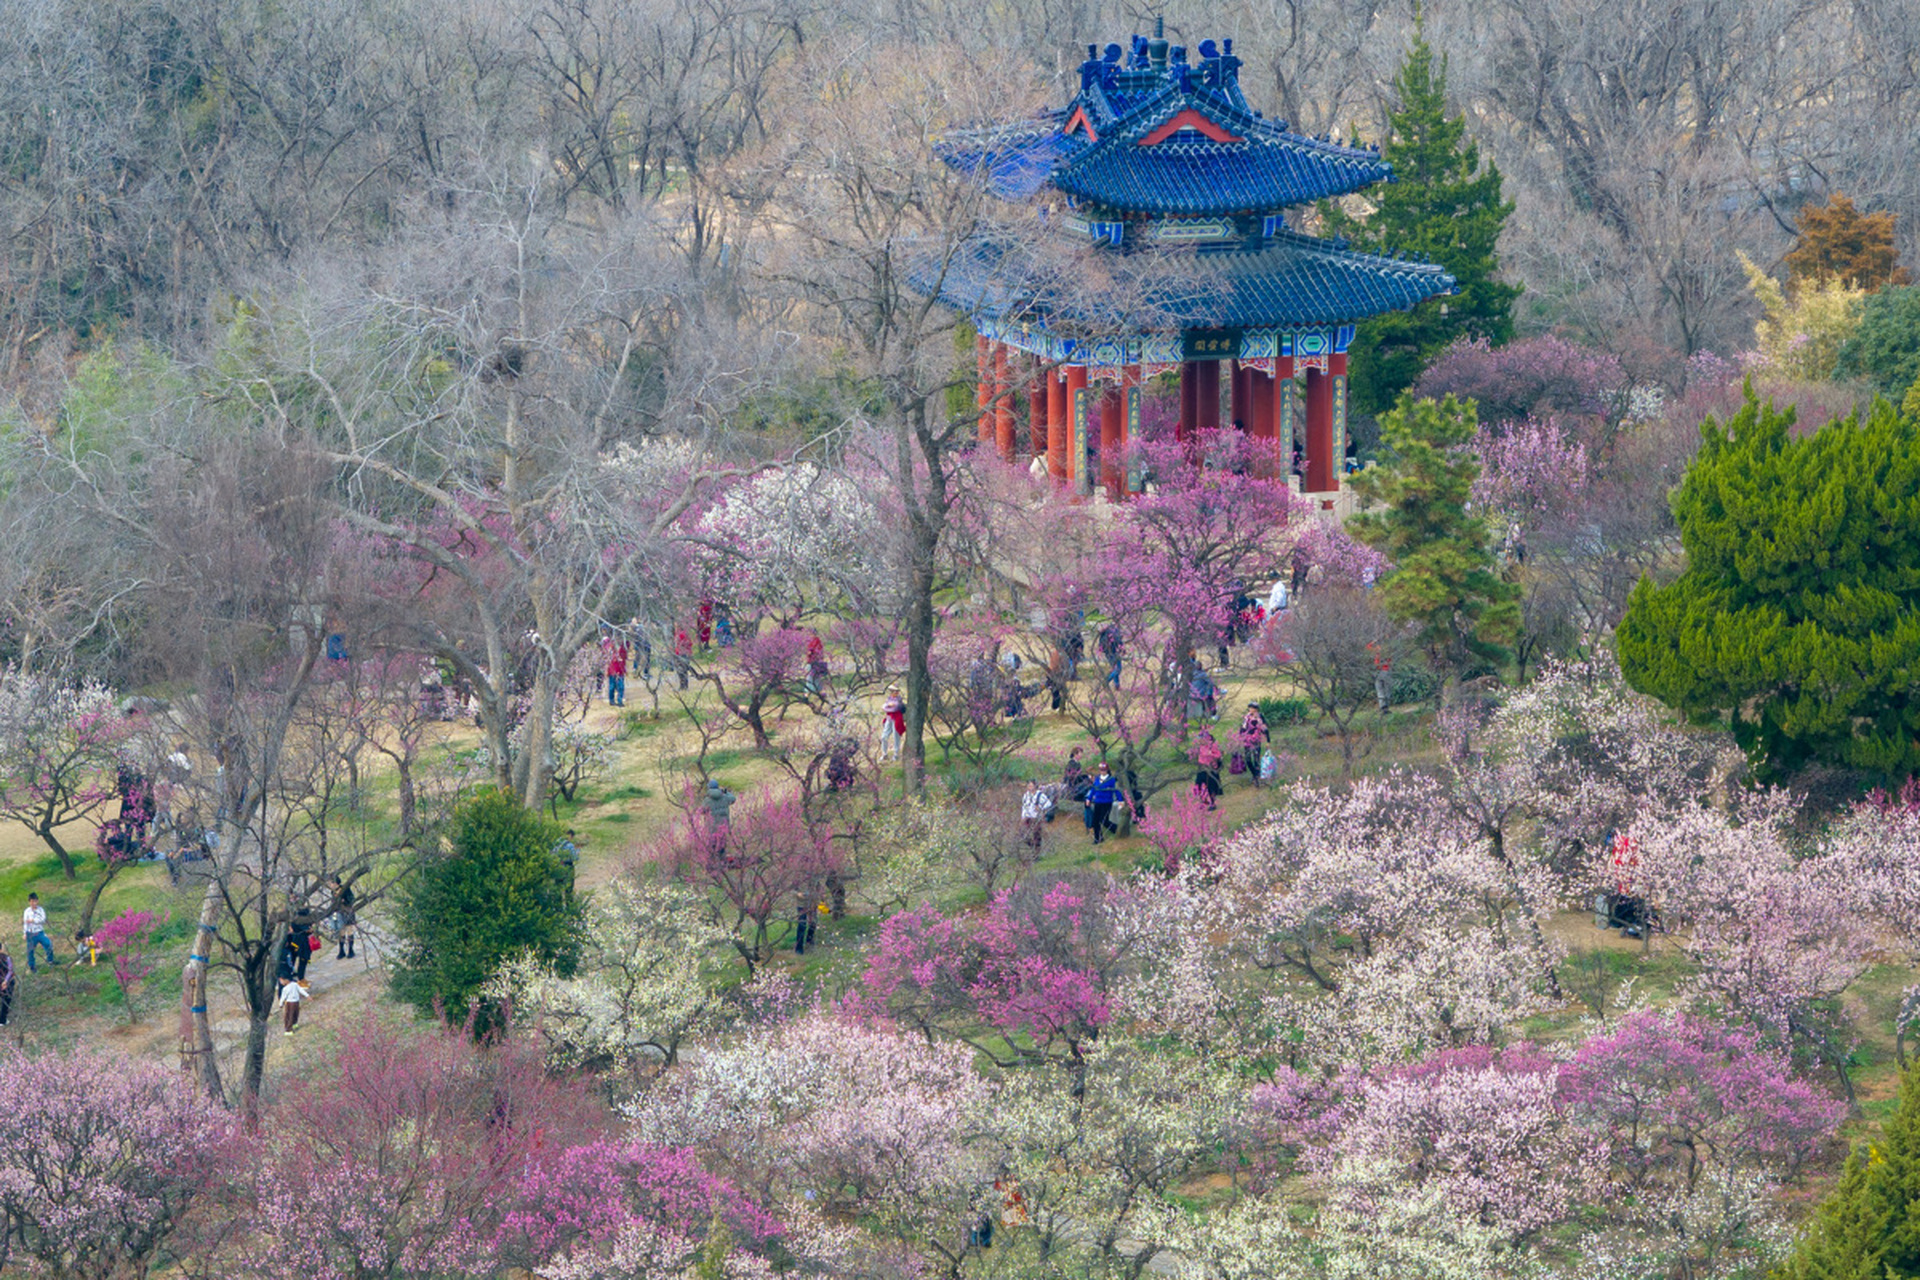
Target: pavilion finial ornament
[(1164, 162)]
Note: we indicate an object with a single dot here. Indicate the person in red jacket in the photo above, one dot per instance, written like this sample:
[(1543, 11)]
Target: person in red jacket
[(617, 677)]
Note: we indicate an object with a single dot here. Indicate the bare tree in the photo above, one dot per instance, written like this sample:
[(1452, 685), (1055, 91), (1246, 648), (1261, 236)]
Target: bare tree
[(1336, 644)]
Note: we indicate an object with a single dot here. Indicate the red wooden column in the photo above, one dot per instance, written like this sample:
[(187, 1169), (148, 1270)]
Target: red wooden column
[(1262, 423), (1189, 401), (1059, 426), (1320, 477), (1076, 448), (1003, 407), (1242, 410), (983, 384), (1037, 414), (1206, 400), (1113, 436)]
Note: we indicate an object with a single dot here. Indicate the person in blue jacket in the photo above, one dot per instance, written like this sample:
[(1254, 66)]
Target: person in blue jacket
[(1104, 795)]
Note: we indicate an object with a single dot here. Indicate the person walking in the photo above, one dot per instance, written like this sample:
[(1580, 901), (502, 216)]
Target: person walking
[(893, 724), (1073, 776), (1207, 756), (1200, 694), (33, 923), (1254, 735), (1104, 794), (1033, 814), (343, 915), (292, 994), (818, 677), (7, 979), (1112, 644), (300, 942), (617, 676)]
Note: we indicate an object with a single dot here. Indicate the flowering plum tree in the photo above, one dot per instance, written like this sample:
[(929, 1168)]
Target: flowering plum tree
[(1486, 1128), (408, 1159), (106, 1159), (1674, 1096), (58, 747), (127, 940), (1543, 376), (1028, 981), (856, 1118), (764, 669), (763, 861), (639, 988), (1394, 910)]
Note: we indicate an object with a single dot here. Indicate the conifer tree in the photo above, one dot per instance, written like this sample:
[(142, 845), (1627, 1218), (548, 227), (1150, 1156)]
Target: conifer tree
[(1869, 1228), (1798, 616), (501, 892), (1884, 348), (1442, 206), (1443, 577), (1838, 242)]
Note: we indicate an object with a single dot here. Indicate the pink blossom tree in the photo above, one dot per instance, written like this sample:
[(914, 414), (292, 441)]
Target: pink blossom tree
[(1485, 1129), (827, 1114), (106, 1161), (1182, 827), (1533, 376), (408, 1156), (766, 859), (1672, 1097), (760, 672)]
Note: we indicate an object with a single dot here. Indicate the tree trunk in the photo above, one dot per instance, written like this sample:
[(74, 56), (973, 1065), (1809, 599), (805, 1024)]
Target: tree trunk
[(196, 1031), (93, 899), (408, 801), (919, 680), (67, 863), (533, 770), (1539, 936)]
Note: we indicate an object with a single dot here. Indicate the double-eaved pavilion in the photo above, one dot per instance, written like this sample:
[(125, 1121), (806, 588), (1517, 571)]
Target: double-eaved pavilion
[(1158, 155)]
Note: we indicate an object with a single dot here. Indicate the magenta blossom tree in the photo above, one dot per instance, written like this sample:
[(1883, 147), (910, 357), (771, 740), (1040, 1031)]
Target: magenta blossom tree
[(1530, 377), (1028, 981), (127, 940)]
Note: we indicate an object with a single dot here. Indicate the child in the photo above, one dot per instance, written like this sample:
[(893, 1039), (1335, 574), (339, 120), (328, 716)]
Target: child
[(292, 992)]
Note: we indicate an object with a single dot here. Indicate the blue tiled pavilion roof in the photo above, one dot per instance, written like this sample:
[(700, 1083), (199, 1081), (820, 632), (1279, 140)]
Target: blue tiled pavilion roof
[(1282, 281), (1264, 168)]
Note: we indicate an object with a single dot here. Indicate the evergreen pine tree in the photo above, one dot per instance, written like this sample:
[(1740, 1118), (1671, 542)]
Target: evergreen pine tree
[(1440, 206), (1798, 616), (502, 891), (1869, 1228), (1443, 575)]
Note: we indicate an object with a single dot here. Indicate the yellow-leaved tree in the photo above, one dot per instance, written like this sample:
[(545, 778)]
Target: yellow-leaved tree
[(1801, 331)]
